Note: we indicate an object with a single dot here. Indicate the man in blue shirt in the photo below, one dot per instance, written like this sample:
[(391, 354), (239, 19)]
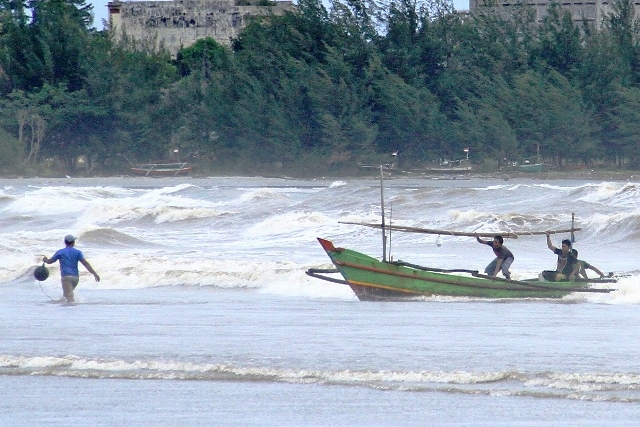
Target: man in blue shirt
[(69, 257)]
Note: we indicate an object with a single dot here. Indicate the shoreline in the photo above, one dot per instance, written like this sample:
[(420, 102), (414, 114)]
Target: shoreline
[(569, 175), (593, 174)]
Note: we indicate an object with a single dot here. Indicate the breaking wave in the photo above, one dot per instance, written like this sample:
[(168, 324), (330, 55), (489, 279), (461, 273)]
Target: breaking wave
[(590, 386)]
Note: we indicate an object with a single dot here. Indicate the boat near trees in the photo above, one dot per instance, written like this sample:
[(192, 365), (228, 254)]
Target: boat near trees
[(453, 166), (162, 169), (529, 165)]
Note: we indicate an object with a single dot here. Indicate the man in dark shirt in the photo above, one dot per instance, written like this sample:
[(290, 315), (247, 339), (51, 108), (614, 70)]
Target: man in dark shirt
[(503, 259), (580, 268), (566, 259)]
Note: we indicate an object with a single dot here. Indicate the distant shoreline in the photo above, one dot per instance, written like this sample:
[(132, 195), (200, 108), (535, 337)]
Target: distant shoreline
[(590, 174), (586, 174)]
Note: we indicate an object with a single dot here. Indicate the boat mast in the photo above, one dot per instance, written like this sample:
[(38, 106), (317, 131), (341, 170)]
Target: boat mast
[(382, 225)]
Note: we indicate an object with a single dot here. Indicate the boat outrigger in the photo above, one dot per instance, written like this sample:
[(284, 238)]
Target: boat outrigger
[(372, 279)]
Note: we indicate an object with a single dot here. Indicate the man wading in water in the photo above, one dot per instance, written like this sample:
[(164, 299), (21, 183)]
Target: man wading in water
[(69, 257)]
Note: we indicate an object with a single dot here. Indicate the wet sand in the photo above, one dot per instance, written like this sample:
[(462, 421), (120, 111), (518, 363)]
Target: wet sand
[(591, 174)]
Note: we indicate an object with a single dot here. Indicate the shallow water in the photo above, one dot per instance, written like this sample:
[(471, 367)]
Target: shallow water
[(204, 315)]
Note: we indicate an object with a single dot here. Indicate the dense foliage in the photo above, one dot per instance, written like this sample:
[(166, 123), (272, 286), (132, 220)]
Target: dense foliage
[(323, 89)]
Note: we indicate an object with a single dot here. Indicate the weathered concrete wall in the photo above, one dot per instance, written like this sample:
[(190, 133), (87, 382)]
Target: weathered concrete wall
[(180, 23), (593, 11)]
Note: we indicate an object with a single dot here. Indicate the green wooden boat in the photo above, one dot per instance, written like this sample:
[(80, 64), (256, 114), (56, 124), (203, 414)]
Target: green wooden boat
[(532, 164), (374, 280), (531, 167)]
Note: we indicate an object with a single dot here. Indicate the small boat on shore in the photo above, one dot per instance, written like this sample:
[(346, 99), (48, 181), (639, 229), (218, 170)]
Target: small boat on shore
[(374, 280), (532, 164), (527, 166), (162, 169), (454, 166)]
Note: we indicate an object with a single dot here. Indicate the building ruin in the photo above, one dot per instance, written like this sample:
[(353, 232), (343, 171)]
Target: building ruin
[(180, 23), (590, 11)]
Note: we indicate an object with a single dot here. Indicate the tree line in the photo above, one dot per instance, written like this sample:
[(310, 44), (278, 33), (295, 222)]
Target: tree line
[(321, 89)]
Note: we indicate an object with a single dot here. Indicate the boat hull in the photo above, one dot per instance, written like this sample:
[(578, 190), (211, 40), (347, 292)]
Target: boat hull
[(534, 167), (449, 170), (373, 280), (162, 170), (455, 166)]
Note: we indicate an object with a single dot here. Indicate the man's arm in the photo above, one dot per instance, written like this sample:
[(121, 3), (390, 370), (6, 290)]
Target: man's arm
[(576, 270), (498, 265), (90, 269), (51, 260), (583, 272), (596, 270), (484, 242), (549, 244)]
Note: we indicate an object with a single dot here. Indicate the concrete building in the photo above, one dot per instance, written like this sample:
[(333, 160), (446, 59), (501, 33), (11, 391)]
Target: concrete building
[(591, 10), (179, 23)]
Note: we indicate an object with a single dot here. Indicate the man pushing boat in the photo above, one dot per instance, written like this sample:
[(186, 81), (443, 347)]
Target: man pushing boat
[(504, 257)]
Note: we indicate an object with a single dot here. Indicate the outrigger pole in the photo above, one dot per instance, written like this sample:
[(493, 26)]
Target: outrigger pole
[(382, 224), (511, 235)]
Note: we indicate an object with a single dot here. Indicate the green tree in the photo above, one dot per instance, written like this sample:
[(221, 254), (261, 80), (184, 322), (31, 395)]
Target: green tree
[(128, 88), (548, 112), (560, 41), (62, 27), (22, 56), (204, 56), (26, 116), (624, 29), (44, 43), (11, 153)]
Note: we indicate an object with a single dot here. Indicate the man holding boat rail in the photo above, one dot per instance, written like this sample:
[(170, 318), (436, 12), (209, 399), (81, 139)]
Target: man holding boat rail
[(581, 267), (566, 261), (504, 257)]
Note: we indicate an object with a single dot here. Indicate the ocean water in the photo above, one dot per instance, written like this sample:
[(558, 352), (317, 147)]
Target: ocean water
[(204, 315)]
